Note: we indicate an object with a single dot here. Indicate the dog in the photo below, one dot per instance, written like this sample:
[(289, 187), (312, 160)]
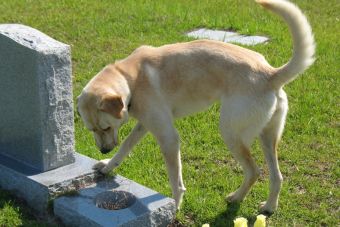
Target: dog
[(155, 85)]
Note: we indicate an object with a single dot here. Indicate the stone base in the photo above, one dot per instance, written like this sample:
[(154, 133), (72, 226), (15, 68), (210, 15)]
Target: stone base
[(38, 188), (149, 208)]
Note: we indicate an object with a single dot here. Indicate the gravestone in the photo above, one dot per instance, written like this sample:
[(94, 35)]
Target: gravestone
[(37, 157), (36, 107)]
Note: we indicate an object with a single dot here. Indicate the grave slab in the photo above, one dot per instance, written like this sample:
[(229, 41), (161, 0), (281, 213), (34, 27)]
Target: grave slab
[(149, 208), (38, 188), (227, 36)]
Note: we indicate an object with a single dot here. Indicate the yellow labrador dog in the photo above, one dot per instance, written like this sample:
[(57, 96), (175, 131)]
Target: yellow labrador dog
[(157, 84)]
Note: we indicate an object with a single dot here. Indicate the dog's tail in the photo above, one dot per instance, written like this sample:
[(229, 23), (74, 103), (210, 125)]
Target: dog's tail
[(303, 41)]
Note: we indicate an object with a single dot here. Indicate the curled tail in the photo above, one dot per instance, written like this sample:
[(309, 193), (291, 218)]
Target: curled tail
[(303, 41)]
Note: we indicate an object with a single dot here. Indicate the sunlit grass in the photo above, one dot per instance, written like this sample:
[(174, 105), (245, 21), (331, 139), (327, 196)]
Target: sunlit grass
[(100, 32)]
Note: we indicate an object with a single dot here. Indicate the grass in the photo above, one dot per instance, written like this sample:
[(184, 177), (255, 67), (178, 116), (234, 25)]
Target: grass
[(14, 212), (100, 32)]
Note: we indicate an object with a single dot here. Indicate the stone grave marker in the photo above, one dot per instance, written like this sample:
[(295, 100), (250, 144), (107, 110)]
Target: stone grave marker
[(37, 157), (36, 105)]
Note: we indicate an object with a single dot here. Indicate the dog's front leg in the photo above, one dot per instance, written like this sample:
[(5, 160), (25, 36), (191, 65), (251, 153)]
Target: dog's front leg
[(107, 165), (174, 167), (170, 148)]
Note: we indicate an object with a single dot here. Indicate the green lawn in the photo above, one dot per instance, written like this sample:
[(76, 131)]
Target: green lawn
[(100, 32)]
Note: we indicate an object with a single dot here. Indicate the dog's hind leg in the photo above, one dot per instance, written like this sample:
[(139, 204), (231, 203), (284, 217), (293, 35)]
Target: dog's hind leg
[(133, 138), (270, 137), (251, 172), (242, 119)]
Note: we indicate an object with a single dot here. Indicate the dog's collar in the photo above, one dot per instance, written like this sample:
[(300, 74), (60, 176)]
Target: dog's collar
[(129, 105)]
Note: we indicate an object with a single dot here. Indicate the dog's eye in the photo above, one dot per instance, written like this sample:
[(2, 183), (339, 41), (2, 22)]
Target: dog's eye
[(106, 129)]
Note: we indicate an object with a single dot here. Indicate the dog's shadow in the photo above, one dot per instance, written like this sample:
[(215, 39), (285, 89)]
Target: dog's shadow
[(226, 218)]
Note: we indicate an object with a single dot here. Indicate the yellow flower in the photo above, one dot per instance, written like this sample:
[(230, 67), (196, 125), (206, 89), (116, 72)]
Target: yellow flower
[(260, 221), (240, 222), (206, 225)]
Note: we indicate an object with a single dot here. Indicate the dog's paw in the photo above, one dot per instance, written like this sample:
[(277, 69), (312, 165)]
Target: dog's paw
[(102, 166), (267, 209)]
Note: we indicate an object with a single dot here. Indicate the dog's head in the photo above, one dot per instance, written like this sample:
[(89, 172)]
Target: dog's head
[(103, 114)]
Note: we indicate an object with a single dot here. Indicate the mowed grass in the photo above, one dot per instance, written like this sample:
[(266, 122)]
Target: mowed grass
[(100, 32)]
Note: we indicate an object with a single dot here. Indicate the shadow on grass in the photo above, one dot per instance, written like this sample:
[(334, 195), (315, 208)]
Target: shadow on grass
[(227, 217), (15, 212)]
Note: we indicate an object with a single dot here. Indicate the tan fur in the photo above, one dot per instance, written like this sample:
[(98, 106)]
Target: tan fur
[(112, 104), (157, 85)]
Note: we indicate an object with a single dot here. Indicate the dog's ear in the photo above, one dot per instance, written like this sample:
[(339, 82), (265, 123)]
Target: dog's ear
[(113, 105)]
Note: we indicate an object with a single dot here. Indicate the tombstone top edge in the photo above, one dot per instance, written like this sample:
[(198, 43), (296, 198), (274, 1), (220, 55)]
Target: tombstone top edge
[(31, 38)]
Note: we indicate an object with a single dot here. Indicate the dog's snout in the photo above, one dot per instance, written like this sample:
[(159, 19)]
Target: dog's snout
[(105, 150)]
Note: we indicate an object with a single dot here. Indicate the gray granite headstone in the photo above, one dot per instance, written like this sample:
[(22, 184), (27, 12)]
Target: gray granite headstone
[(36, 107), (37, 156)]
